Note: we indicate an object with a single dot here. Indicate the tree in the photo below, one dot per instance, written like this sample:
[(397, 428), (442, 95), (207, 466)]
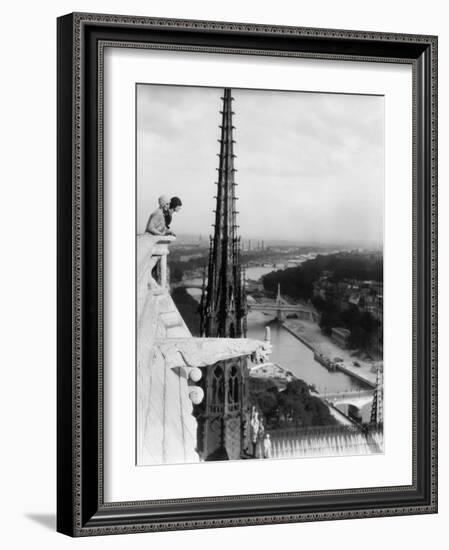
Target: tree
[(293, 406), (350, 317), (359, 338), (330, 318), (176, 275), (319, 303), (297, 282)]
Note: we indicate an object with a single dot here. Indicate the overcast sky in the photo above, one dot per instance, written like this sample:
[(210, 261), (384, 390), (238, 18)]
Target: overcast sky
[(310, 165)]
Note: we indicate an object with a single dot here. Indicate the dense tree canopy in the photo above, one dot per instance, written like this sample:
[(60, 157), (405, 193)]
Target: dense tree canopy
[(361, 323), (292, 407), (297, 282)]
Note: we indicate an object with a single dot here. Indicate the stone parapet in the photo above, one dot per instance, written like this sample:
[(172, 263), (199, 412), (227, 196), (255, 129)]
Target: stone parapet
[(169, 362)]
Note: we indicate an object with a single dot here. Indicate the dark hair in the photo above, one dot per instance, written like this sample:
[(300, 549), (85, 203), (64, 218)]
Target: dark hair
[(174, 202)]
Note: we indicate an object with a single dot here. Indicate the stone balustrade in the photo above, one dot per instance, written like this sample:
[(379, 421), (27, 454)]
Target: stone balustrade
[(169, 361)]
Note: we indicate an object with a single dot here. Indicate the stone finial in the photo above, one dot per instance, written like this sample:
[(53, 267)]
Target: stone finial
[(196, 394), (195, 374)]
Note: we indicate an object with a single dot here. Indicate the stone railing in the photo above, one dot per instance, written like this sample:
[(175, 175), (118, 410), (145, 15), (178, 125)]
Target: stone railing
[(152, 252)]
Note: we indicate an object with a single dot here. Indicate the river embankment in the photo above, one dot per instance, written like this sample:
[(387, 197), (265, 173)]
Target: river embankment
[(310, 335)]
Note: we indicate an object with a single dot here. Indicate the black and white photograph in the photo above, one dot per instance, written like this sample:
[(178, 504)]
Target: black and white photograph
[(247, 284), (259, 274)]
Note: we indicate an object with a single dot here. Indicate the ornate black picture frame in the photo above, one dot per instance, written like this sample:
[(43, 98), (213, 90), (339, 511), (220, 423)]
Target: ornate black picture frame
[(81, 509)]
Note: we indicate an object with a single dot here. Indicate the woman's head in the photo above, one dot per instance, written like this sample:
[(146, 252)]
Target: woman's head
[(175, 204)]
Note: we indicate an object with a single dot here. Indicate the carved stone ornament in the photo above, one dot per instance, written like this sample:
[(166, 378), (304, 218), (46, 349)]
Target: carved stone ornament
[(200, 352)]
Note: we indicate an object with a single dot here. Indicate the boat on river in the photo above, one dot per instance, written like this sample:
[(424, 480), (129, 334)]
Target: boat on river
[(325, 361)]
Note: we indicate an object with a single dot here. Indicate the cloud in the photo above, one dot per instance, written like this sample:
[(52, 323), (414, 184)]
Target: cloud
[(309, 164)]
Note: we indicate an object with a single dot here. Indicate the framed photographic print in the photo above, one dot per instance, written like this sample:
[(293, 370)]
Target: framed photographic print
[(246, 274)]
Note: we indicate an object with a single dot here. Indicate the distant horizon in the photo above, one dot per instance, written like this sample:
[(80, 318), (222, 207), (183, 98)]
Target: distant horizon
[(194, 238), (310, 166)]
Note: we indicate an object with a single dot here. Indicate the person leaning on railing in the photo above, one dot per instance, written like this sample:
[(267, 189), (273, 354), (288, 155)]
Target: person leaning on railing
[(174, 206), (156, 221), (159, 221)]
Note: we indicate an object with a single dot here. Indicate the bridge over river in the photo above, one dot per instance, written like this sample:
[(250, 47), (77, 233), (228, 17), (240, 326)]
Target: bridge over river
[(357, 398), (280, 309)]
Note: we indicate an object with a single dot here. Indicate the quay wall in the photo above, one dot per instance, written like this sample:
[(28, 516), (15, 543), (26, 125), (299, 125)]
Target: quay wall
[(339, 366)]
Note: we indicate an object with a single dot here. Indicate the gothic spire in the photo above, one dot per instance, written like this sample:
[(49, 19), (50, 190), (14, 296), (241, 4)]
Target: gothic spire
[(377, 406), (223, 308)]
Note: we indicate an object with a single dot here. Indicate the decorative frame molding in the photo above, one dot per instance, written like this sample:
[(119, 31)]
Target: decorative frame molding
[(81, 42)]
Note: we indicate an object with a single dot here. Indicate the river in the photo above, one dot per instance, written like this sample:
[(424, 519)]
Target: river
[(289, 352), (293, 355), (254, 273)]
